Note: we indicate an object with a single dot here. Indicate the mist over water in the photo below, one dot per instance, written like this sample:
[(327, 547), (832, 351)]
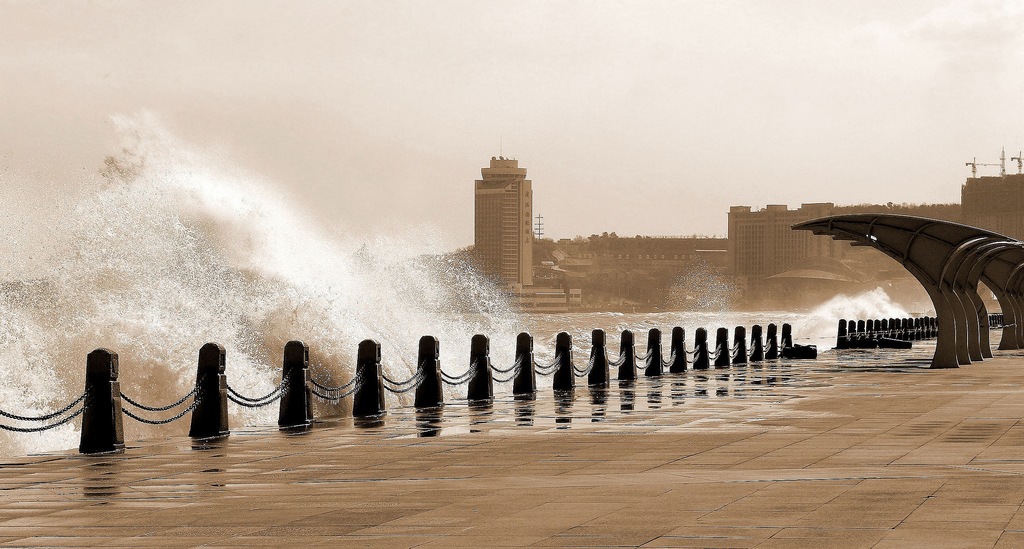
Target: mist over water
[(166, 247)]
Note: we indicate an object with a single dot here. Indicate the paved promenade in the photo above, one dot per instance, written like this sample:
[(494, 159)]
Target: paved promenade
[(842, 452)]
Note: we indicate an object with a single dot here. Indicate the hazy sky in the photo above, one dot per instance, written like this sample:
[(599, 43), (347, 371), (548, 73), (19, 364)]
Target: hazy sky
[(633, 117)]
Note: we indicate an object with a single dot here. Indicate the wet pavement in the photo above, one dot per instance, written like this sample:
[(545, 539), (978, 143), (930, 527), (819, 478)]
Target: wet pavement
[(859, 449)]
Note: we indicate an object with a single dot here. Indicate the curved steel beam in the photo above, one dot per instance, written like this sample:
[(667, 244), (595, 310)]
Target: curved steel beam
[(947, 259)]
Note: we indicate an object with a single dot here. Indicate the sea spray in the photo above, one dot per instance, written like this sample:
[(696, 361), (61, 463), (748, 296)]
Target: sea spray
[(168, 248)]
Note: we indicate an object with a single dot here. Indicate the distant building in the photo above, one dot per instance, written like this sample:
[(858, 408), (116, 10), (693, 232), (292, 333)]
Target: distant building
[(503, 236), (770, 261), (762, 243), (995, 203)]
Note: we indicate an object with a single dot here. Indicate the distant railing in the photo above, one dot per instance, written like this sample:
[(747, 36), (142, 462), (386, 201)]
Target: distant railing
[(102, 405), (886, 333)]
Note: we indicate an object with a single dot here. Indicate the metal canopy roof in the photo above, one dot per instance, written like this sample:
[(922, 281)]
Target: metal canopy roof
[(948, 259)]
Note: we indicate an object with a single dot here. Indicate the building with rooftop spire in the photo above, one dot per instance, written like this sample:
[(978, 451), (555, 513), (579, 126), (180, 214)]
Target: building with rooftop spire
[(503, 232)]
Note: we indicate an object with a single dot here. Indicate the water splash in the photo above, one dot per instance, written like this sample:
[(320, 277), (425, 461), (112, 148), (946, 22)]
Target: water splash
[(821, 322), (168, 247)]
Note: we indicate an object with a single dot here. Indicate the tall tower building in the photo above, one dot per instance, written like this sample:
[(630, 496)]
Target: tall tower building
[(502, 228)]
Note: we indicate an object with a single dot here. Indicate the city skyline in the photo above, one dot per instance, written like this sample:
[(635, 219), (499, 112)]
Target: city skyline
[(642, 118)]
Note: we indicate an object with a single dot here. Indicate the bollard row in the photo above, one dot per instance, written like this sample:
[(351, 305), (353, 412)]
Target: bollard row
[(886, 333), (102, 405)]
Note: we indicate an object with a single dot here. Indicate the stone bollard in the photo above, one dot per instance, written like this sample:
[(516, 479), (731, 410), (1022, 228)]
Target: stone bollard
[(739, 342), (627, 354), (296, 404), (598, 359), (842, 340), (787, 336), (210, 417), (722, 348), (888, 328), (701, 360), (525, 382), (481, 385), (102, 431), (564, 378), (368, 400), (655, 366), (773, 342), (678, 356), (429, 394), (851, 334), (756, 344), (862, 329)]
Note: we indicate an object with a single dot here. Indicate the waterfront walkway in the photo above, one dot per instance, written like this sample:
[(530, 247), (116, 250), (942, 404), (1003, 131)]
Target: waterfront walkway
[(842, 452)]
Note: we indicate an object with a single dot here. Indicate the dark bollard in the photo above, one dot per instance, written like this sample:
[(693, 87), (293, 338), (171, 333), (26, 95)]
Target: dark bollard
[(655, 364), (888, 327), (102, 431), (852, 336), (862, 329), (678, 358), (481, 385), (722, 349), (842, 342), (210, 417), (564, 378), (756, 344), (368, 400), (787, 336), (739, 342), (525, 382), (295, 402), (701, 360), (429, 394), (627, 354), (598, 359), (773, 342), (907, 329)]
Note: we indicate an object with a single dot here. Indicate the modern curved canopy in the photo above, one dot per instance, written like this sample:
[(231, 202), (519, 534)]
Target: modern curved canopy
[(948, 259)]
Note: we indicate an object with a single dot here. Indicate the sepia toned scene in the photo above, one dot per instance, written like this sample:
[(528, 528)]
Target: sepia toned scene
[(494, 274)]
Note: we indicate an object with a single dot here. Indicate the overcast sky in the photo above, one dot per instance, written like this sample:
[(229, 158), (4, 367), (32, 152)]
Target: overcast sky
[(635, 117)]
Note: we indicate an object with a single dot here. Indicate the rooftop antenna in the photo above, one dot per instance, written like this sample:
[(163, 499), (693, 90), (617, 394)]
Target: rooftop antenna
[(501, 145), (1002, 162), (1020, 164)]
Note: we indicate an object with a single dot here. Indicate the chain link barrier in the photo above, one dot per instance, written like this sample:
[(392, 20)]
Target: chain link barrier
[(412, 383), (585, 371), (335, 394), (513, 371), (44, 417), (242, 400), (462, 378), (180, 415), (180, 401), (400, 386), (41, 428), (329, 389)]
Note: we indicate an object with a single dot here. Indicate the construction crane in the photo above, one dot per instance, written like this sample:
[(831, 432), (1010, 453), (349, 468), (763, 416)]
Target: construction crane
[(1020, 164), (974, 166)]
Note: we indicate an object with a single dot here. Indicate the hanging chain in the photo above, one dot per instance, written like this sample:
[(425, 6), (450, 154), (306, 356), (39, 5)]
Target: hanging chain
[(45, 427), (163, 421), (160, 408), (44, 417)]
